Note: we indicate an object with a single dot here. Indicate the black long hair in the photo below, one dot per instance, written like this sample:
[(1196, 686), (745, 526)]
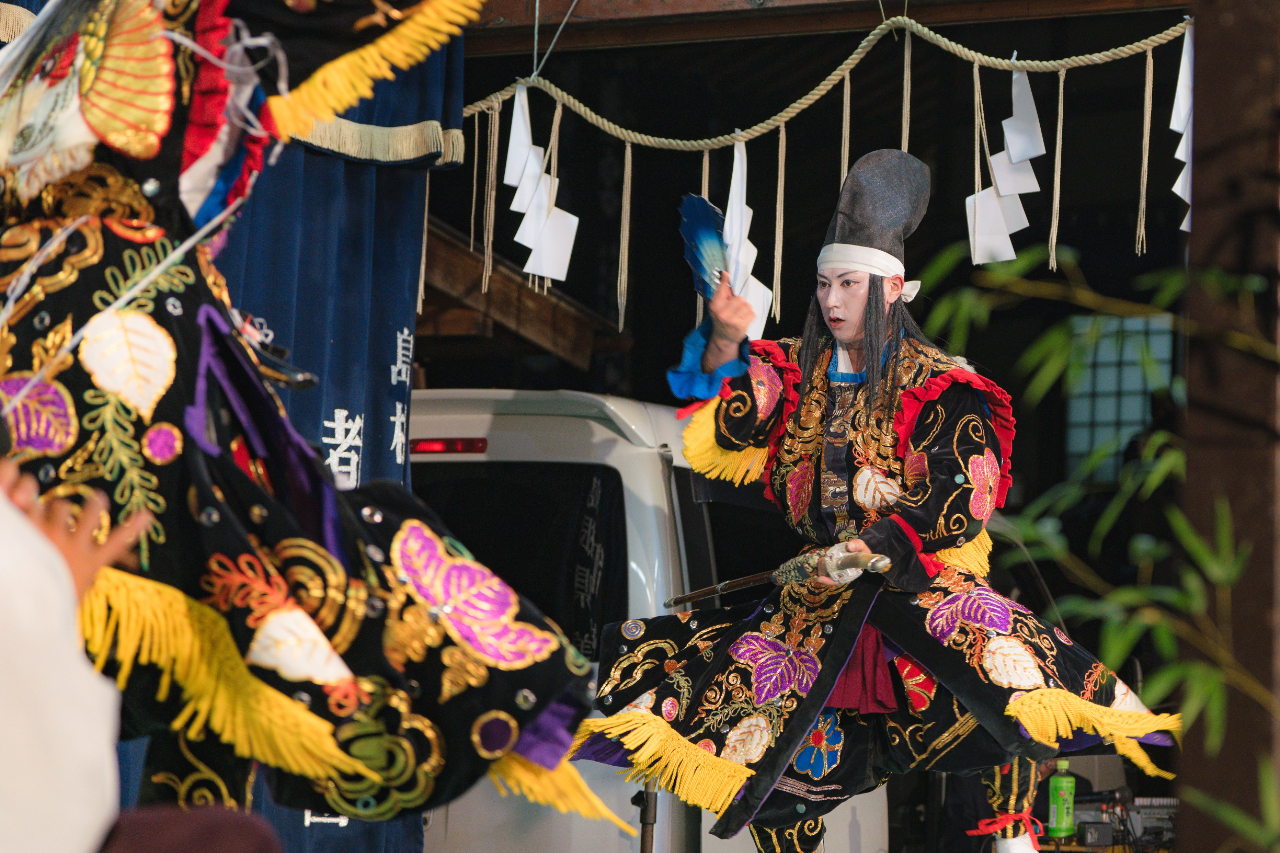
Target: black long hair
[(882, 336)]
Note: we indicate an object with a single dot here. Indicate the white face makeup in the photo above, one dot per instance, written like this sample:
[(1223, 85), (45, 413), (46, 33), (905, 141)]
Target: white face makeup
[(842, 295)]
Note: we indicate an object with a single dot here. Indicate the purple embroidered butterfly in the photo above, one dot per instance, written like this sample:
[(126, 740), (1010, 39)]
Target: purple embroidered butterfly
[(979, 606), (776, 668), (470, 601)]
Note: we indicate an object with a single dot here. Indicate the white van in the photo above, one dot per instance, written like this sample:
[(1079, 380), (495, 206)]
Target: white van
[(585, 504)]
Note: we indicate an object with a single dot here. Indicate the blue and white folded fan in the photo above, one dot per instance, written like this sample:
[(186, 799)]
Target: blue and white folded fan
[(702, 227)]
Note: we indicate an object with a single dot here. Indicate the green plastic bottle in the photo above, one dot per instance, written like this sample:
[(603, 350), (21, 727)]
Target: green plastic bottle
[(1062, 802)]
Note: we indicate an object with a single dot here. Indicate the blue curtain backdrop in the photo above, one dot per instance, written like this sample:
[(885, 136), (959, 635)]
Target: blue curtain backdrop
[(328, 253)]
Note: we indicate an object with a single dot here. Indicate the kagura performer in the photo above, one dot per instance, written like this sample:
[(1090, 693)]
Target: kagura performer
[(871, 439)]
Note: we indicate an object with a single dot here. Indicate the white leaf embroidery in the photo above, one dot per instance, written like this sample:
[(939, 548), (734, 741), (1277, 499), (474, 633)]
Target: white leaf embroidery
[(130, 355)]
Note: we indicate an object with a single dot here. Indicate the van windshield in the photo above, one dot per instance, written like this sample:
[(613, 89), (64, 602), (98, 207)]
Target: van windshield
[(555, 531)]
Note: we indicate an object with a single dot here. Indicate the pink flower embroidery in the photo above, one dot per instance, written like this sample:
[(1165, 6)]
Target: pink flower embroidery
[(800, 489), (984, 473), (766, 387), (915, 469)]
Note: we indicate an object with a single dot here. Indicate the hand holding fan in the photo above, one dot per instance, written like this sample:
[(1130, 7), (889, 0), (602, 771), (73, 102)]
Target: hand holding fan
[(702, 227)]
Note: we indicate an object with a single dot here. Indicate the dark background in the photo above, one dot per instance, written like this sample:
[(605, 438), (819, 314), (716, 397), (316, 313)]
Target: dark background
[(702, 90)]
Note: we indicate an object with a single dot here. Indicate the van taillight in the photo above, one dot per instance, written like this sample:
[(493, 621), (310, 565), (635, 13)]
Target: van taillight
[(448, 445)]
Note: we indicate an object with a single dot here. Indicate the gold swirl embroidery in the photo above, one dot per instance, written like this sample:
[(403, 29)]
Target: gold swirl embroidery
[(461, 671), (202, 787), (408, 760), (638, 658), (99, 190), (19, 242)]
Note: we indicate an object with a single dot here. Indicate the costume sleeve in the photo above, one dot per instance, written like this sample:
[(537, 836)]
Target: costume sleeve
[(730, 434), (687, 380), (952, 469)]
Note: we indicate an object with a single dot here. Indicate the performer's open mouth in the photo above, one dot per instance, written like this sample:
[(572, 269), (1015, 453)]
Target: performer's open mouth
[(835, 322)]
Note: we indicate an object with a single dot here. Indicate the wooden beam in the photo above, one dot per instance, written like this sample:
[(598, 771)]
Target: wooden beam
[(454, 322), (550, 320), (506, 26), (1232, 429)]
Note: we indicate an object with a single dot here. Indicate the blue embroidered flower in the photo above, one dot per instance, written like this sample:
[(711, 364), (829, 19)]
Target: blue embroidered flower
[(821, 753)]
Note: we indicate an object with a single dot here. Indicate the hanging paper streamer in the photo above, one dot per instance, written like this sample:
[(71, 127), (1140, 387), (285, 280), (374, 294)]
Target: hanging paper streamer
[(985, 209), (740, 254), (521, 138), (550, 257), (1181, 120), (545, 229), (702, 227), (1022, 137), (1011, 171), (988, 233)]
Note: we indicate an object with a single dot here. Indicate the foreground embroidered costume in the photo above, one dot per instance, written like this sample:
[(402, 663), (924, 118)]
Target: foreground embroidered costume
[(773, 713), (343, 640)]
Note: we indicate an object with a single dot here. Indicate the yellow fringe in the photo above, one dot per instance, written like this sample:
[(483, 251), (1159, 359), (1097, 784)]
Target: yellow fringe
[(1050, 713), (136, 620), (973, 556), (339, 85), (658, 752), (563, 788), (710, 459)]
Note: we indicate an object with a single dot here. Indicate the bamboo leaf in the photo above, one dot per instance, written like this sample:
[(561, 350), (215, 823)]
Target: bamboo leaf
[(941, 313), (1111, 514), (1164, 640), (1235, 819), (1172, 461), (1027, 260), (1117, 640), (1157, 686), (942, 264), (1215, 711), (1269, 794), (1191, 542), (1197, 594)]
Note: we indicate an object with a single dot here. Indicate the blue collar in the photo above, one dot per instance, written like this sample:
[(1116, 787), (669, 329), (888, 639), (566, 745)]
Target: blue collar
[(836, 375)]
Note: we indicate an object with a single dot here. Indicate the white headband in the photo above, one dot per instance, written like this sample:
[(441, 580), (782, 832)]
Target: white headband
[(844, 256)]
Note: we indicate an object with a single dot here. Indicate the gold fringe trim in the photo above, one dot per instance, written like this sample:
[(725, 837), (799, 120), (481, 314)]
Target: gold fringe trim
[(379, 144), (563, 788), (455, 148), (339, 85), (657, 752), (973, 556), (14, 20), (1050, 713), (710, 459), (136, 620)]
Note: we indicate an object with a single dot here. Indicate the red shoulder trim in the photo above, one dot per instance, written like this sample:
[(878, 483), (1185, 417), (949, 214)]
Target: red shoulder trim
[(913, 400), (772, 352), (210, 91)]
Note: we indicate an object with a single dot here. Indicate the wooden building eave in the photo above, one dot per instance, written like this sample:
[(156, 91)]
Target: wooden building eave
[(551, 320), (506, 26)]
